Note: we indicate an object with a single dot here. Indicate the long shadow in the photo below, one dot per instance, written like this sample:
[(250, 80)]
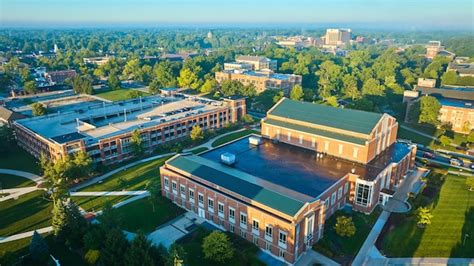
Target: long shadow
[(465, 247), (22, 211)]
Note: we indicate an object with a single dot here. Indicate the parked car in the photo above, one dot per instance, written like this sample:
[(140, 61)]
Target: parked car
[(456, 162), (428, 155)]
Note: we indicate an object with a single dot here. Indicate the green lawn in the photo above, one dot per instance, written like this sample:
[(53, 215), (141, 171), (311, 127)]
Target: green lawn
[(134, 178), (29, 212), (96, 203), (139, 215), (18, 159), (13, 181), (417, 138), (199, 150), (245, 252), (343, 249), (457, 138), (117, 95), (233, 136), (453, 218)]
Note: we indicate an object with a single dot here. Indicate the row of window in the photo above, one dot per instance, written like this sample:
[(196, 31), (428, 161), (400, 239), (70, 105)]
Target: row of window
[(336, 195), (243, 221)]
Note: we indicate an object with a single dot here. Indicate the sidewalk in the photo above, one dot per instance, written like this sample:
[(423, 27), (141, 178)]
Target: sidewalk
[(25, 234), (311, 257), (109, 193), (35, 178)]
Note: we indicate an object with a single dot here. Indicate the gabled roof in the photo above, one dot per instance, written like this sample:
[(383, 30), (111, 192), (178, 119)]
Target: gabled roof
[(338, 118), (237, 182), (9, 115)]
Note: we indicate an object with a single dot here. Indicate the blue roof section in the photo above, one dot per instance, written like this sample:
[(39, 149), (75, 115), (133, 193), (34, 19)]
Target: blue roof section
[(456, 103)]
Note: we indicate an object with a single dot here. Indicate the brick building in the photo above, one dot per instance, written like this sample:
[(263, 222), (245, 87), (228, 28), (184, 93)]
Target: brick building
[(281, 186), (257, 62), (104, 130), (262, 80), (59, 77)]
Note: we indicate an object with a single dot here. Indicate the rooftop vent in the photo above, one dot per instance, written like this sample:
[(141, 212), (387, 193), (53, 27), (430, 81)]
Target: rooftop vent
[(255, 140), (228, 158)]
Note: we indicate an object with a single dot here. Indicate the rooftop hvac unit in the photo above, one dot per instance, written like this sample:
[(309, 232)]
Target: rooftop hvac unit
[(254, 140), (228, 158)]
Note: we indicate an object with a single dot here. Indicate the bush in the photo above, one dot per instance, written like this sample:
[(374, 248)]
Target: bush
[(345, 226), (217, 247), (92, 256)]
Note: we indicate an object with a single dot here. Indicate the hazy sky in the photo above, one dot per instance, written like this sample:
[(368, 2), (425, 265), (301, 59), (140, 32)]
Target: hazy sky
[(394, 13)]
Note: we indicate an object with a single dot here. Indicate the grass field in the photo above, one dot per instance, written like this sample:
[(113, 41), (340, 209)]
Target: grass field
[(139, 215), (97, 203), (199, 150), (18, 159), (117, 95), (453, 218), (244, 251), (29, 212), (134, 178), (343, 249), (13, 181), (233, 136)]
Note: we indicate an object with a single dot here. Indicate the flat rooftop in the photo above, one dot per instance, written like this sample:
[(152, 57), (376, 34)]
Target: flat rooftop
[(105, 120), (297, 169), (278, 76)]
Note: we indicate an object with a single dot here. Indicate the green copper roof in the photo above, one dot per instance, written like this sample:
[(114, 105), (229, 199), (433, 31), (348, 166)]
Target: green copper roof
[(315, 131), (236, 181), (346, 119)]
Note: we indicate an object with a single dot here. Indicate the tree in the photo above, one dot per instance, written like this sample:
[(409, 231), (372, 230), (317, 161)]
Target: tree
[(466, 127), (188, 79), (429, 110), (155, 86), (139, 252), (329, 78), (154, 188), (373, 87), (82, 164), (38, 109), (209, 86), (449, 78), (137, 143), (76, 225), (247, 119), (92, 256), (39, 250), (345, 226), (59, 218), (444, 140), (217, 247), (30, 87), (470, 137), (115, 247), (350, 87), (423, 216), (113, 81), (110, 219), (7, 137), (82, 84), (362, 104), (94, 236), (297, 93), (134, 94), (196, 133), (177, 256), (332, 101)]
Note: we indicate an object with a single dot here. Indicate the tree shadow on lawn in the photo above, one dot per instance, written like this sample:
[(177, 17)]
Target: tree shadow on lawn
[(465, 247), (18, 212)]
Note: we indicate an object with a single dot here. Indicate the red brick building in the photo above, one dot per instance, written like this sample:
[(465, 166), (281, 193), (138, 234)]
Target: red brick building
[(310, 161)]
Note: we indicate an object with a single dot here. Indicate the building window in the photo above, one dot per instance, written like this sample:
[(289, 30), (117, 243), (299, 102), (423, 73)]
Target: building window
[(167, 183), (220, 209), (232, 215), (243, 234), (355, 152), (255, 240), (231, 228), (333, 198), (182, 190), (200, 199), (326, 145), (281, 253), (268, 232), (326, 204), (282, 239), (243, 220), (341, 147), (301, 139), (191, 195), (210, 205), (363, 194), (346, 188), (339, 193), (268, 246), (174, 187), (255, 226)]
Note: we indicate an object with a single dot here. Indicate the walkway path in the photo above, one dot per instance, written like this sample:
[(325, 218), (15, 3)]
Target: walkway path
[(400, 195), (35, 178), (312, 257), (208, 144), (25, 234), (422, 261), (424, 134), (109, 193)]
